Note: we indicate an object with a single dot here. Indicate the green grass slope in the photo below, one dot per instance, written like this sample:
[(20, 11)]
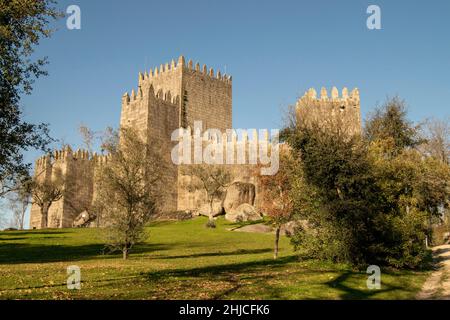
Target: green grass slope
[(181, 260)]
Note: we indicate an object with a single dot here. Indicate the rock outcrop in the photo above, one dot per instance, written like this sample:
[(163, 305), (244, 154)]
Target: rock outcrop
[(239, 193), (245, 212), (83, 219), (217, 209)]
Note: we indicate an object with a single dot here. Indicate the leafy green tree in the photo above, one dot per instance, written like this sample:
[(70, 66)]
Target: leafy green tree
[(436, 133), (276, 195), (19, 201), (390, 122), (412, 182), (130, 189), (368, 200), (346, 201), (46, 192), (22, 25)]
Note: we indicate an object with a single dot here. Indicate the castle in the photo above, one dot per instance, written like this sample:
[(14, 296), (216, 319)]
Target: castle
[(173, 96)]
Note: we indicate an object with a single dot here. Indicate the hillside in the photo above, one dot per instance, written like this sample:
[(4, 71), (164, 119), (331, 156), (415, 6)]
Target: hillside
[(181, 260)]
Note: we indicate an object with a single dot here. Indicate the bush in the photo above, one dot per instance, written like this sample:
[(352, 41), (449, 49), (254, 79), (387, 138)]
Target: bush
[(441, 234), (364, 206), (211, 224)]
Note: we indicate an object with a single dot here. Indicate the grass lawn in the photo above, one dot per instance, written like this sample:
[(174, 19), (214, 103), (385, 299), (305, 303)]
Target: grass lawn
[(181, 260)]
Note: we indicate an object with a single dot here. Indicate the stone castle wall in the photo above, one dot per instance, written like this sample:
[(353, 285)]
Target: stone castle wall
[(343, 111), (77, 169), (209, 98), (174, 96), (240, 172)]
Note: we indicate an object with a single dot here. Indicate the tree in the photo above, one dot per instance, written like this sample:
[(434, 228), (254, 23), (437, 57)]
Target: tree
[(88, 136), (22, 25), (19, 201), (46, 192), (346, 202), (130, 189), (276, 195), (212, 179), (390, 122), (3, 220), (437, 139), (415, 176)]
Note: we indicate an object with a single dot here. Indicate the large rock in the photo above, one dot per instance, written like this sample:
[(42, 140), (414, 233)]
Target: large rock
[(288, 229), (82, 220), (245, 212), (256, 228), (217, 209), (239, 193)]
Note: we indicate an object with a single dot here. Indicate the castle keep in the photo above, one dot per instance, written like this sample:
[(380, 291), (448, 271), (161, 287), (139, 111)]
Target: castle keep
[(171, 96)]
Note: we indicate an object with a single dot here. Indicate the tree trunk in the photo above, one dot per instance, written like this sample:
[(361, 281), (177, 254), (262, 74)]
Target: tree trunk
[(210, 216), (277, 240), (44, 216), (22, 218), (125, 253)]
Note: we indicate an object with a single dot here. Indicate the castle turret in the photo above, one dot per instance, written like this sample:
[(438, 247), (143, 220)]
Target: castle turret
[(343, 110), (76, 170)]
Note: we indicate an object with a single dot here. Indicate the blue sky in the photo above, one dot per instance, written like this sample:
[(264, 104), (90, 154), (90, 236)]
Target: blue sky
[(275, 50)]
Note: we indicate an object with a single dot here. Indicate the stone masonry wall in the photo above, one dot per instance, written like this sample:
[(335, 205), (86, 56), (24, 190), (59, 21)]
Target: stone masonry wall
[(343, 111), (209, 98), (77, 170), (167, 98)]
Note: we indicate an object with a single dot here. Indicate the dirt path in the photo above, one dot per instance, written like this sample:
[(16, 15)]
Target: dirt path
[(437, 285)]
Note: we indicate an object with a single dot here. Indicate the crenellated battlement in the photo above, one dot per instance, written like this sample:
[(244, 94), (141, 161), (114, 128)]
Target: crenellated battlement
[(144, 92), (208, 72), (231, 147), (198, 92), (173, 66), (341, 109), (311, 94), (66, 154), (100, 159), (231, 136)]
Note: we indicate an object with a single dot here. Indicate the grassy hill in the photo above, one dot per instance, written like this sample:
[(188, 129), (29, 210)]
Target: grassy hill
[(181, 260)]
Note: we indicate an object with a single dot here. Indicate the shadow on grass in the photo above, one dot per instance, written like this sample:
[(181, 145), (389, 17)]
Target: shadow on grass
[(219, 253), (349, 293), (239, 275), (32, 232), (229, 273), (16, 253), (13, 238), (218, 270)]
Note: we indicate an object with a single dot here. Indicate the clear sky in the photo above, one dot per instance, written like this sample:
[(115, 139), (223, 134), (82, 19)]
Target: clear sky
[(275, 50)]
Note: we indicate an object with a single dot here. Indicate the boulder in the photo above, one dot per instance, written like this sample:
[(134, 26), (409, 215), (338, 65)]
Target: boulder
[(239, 193), (175, 215), (83, 219), (256, 228), (217, 209), (288, 229), (244, 212)]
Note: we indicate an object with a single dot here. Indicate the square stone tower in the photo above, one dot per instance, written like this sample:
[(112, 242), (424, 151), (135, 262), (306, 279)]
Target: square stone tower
[(343, 111), (198, 93), (172, 96), (77, 172)]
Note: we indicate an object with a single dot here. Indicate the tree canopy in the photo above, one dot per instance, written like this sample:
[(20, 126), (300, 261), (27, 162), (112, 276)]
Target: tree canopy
[(23, 23)]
